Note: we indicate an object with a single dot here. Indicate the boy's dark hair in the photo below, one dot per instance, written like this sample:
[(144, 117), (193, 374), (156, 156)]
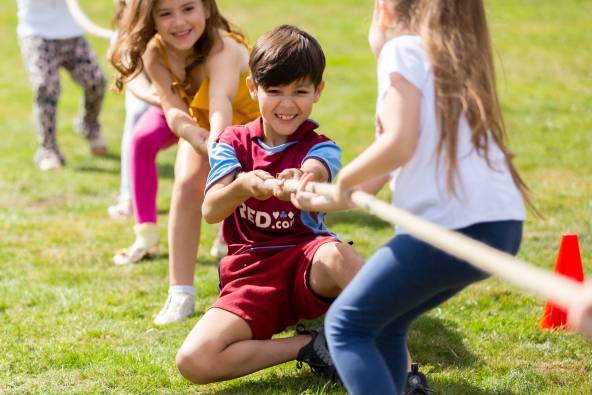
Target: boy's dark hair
[(284, 55)]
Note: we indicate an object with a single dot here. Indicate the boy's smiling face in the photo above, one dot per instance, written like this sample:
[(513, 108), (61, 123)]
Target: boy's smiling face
[(284, 107)]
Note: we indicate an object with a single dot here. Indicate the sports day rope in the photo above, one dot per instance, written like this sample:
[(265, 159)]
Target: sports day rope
[(562, 290)]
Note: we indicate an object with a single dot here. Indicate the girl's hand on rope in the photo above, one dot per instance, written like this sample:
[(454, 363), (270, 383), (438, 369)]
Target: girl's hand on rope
[(253, 184), (580, 312), (342, 194), (310, 201), (287, 174)]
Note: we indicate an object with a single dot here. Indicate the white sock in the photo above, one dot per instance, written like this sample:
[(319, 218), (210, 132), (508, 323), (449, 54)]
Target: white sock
[(182, 289)]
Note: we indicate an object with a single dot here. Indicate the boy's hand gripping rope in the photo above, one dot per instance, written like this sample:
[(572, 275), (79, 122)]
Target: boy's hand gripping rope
[(562, 290)]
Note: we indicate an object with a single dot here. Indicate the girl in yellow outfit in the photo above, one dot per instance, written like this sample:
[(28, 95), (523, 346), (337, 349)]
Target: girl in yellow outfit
[(198, 64), (244, 108)]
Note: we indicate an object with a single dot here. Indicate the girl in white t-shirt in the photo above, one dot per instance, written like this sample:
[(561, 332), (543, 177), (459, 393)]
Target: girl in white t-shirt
[(443, 142)]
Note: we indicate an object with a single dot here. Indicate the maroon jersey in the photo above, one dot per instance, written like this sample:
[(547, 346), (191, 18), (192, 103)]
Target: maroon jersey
[(270, 224)]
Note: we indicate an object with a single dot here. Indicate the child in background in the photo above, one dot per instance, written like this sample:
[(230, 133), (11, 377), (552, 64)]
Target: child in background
[(138, 99), (444, 135), (139, 95), (283, 263), (49, 39), (197, 63)]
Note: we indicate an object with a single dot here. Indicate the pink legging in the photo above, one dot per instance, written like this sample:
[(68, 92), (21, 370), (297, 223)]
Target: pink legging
[(151, 134)]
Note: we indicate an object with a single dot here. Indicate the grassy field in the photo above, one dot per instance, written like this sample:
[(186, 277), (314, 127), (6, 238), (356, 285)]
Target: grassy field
[(72, 322)]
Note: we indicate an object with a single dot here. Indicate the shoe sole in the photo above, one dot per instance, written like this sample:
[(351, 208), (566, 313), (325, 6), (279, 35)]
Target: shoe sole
[(122, 260)]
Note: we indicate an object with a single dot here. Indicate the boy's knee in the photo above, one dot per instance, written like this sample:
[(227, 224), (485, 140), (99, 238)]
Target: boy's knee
[(333, 258), (195, 365), (341, 256), (188, 366)]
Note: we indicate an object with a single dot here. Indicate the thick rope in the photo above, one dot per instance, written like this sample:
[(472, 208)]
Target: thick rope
[(562, 290)]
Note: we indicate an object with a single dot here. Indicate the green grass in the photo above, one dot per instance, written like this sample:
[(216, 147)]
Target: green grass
[(71, 322)]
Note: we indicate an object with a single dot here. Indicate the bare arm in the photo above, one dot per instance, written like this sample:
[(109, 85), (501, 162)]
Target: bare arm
[(310, 201), (227, 194), (395, 146), (392, 149), (317, 169), (314, 171), (374, 185), (318, 203), (224, 69), (579, 314), (175, 109)]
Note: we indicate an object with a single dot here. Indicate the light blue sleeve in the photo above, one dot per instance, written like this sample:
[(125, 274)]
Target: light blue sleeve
[(223, 161), (329, 154)]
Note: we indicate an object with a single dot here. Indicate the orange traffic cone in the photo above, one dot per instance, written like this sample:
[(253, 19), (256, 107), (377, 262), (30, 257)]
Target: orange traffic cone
[(569, 264)]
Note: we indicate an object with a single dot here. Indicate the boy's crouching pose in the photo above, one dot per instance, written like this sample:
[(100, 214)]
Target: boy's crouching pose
[(283, 264)]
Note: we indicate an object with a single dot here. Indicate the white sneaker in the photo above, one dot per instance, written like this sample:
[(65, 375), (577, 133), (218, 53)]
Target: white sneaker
[(48, 159), (178, 307), (50, 163), (120, 210)]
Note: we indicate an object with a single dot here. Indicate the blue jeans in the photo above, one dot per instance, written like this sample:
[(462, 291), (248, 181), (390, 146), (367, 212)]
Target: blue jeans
[(367, 324), (134, 108)]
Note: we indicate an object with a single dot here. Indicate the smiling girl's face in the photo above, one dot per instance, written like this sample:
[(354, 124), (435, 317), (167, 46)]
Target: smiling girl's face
[(180, 23)]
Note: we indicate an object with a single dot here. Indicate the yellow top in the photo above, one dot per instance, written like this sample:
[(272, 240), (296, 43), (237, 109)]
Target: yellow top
[(244, 108)]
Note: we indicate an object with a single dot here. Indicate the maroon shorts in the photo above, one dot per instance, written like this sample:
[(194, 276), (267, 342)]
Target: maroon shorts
[(269, 289)]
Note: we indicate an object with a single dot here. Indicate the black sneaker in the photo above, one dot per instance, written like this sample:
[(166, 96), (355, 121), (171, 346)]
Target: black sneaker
[(316, 354), (417, 384)]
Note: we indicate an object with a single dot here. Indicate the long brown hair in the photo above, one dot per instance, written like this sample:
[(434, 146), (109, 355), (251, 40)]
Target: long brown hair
[(457, 41), (136, 29)]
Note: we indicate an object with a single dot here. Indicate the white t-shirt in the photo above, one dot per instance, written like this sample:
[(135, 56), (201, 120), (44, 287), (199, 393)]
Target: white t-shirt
[(49, 19), (420, 187)]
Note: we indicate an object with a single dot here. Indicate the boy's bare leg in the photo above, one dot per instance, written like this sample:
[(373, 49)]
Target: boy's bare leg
[(220, 347), (333, 267)]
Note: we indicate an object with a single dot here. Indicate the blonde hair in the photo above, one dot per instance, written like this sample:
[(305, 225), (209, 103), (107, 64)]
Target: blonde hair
[(136, 29), (456, 37)]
